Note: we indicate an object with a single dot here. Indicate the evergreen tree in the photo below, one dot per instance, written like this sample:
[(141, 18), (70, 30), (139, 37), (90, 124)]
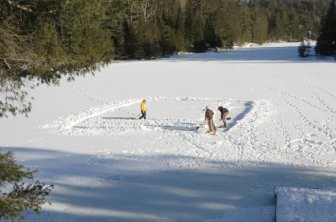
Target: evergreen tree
[(210, 36), (179, 28), (130, 44), (194, 25), (22, 196), (246, 25), (43, 40), (168, 41), (326, 43), (259, 26)]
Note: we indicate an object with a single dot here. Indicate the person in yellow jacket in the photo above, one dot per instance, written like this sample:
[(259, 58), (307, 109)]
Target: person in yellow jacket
[(143, 109)]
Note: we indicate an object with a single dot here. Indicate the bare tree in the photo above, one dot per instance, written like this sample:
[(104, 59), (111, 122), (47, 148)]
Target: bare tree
[(148, 8)]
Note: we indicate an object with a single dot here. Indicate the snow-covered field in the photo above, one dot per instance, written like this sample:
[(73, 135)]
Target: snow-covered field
[(107, 166)]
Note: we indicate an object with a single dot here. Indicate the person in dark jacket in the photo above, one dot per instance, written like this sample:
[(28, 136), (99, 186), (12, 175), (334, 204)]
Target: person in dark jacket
[(209, 114), (224, 113)]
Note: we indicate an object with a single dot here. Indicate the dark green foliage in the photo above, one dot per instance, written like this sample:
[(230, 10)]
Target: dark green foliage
[(22, 196), (259, 26), (211, 39), (42, 40), (45, 40), (130, 43), (195, 25), (326, 43), (168, 42)]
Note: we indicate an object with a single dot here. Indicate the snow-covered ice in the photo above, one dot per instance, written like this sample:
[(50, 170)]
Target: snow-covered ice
[(108, 166)]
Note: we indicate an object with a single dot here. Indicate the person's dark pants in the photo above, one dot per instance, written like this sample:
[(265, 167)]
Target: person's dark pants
[(143, 115), (223, 117)]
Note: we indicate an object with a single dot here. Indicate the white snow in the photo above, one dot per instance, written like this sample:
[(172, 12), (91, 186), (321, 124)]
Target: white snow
[(305, 205), (108, 166)]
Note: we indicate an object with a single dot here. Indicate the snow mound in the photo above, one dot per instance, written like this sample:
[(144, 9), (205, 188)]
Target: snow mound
[(305, 205)]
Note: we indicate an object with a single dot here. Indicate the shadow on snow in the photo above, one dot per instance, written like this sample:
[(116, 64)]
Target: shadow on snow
[(248, 108), (159, 195), (254, 55), (188, 126), (119, 118)]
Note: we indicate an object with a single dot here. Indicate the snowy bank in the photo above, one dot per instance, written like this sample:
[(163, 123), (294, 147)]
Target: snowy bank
[(305, 205)]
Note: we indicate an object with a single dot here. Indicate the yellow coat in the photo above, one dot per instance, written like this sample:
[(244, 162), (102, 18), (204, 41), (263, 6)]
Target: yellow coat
[(143, 107)]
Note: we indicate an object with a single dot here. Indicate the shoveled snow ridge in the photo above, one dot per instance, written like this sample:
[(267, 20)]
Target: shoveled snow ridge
[(102, 120), (174, 127), (172, 122), (70, 121)]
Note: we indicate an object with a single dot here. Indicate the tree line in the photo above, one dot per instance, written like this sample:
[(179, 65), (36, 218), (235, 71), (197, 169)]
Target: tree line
[(153, 28), (326, 42), (44, 40)]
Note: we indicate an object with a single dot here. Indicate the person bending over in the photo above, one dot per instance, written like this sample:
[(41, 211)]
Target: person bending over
[(224, 113)]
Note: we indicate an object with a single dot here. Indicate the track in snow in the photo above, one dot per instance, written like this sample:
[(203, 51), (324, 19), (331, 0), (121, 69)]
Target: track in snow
[(258, 131), (171, 127)]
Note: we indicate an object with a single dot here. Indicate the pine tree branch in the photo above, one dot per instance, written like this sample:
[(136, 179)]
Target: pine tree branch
[(24, 8), (9, 67), (18, 60)]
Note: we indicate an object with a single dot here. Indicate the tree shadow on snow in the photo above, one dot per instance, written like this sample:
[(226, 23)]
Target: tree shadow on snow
[(119, 118), (193, 127), (184, 127), (123, 188), (248, 107)]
